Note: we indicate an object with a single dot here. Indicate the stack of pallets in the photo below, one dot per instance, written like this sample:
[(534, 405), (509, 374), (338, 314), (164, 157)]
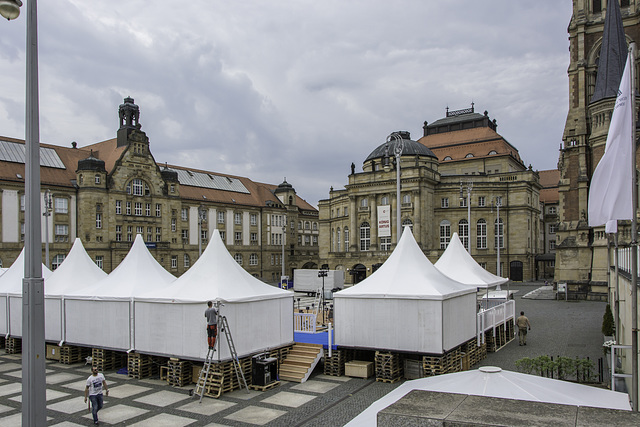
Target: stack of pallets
[(143, 365), (214, 386), (389, 367), (13, 345), (281, 353), (228, 372), (70, 354), (179, 373), (473, 352), (334, 365), (447, 363), (105, 360), (2, 342)]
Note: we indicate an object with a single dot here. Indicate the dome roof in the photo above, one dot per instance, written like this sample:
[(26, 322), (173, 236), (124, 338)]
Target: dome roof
[(91, 163), (284, 186), (410, 148)]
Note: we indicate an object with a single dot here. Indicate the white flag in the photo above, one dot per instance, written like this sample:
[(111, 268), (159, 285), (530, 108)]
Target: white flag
[(610, 191)]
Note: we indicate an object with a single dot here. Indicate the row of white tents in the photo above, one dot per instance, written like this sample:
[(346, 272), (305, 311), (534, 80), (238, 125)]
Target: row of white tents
[(407, 305)]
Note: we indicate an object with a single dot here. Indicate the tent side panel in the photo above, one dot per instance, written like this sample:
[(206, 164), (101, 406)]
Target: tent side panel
[(102, 324), (15, 316), (3, 315), (389, 324), (52, 319), (459, 319)]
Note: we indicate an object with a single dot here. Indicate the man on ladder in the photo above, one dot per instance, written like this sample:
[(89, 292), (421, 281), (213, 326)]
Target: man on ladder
[(211, 314)]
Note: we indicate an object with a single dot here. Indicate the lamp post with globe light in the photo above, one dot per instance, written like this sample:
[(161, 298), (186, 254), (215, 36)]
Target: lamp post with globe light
[(397, 151), (34, 407)]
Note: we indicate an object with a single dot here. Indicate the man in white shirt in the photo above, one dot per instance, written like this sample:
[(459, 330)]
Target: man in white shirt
[(93, 390)]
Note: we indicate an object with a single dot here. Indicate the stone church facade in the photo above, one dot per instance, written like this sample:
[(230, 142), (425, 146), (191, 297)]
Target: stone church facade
[(108, 192)]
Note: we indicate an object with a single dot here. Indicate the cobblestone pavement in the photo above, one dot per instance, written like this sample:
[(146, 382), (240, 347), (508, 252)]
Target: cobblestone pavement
[(558, 328)]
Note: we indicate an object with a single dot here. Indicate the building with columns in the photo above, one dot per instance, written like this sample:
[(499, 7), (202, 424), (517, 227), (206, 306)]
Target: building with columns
[(459, 162), (108, 192)]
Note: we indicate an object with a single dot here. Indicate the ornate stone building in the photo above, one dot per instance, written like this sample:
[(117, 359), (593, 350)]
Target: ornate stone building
[(108, 192), (598, 48), (460, 161)]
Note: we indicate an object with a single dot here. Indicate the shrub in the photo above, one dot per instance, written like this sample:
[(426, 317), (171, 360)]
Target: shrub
[(608, 325)]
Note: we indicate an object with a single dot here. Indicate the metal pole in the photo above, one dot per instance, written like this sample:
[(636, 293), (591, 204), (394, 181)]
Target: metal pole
[(469, 185), (34, 406), (634, 240), (284, 233), (498, 203), (47, 214)]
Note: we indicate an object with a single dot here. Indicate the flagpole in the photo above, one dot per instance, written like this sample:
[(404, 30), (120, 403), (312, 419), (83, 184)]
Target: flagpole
[(634, 239)]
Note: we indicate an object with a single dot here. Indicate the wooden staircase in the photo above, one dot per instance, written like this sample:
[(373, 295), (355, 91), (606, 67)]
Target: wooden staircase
[(300, 362)]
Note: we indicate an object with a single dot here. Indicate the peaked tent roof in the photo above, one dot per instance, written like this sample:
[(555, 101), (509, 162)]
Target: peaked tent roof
[(494, 382), (138, 273), (77, 271), (216, 275), (458, 264), (613, 54), (11, 280), (407, 273)]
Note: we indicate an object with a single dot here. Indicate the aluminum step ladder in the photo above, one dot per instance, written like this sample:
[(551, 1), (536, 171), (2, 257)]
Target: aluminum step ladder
[(204, 372)]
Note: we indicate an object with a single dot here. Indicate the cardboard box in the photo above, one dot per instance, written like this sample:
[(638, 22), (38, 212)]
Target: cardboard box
[(359, 369), (53, 352)]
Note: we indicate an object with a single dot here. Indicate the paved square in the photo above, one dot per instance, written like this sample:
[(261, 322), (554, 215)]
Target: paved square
[(242, 394), (255, 415), (291, 400), (315, 386), (126, 390), (207, 407), (50, 395), (11, 421), (62, 377), (117, 414), (4, 408), (164, 420), (5, 367), (11, 388), (69, 406), (332, 378), (162, 398), (67, 424)]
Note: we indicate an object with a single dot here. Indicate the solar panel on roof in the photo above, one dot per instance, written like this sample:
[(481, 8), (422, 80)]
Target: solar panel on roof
[(205, 180), (15, 152)]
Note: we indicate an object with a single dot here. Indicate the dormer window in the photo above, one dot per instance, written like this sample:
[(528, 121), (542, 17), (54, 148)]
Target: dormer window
[(492, 152), (447, 158), (469, 155)]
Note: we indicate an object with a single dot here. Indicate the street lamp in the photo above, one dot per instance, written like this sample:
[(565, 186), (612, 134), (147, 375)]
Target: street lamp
[(497, 229), (284, 233), (469, 187), (202, 217), (34, 406), (48, 208), (397, 151)]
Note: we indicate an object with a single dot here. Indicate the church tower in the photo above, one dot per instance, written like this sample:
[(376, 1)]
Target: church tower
[(599, 33)]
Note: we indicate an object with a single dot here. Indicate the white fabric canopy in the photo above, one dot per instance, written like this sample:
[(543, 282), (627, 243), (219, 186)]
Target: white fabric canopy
[(11, 296), (170, 321), (459, 265), (407, 273), (406, 305), (494, 382)]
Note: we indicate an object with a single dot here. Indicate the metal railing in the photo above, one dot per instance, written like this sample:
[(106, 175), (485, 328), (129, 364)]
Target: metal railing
[(304, 322), (492, 317)]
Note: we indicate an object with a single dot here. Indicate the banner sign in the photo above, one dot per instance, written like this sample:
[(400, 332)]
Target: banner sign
[(384, 221)]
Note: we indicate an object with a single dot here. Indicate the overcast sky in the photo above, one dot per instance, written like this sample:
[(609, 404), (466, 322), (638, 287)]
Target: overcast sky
[(300, 89)]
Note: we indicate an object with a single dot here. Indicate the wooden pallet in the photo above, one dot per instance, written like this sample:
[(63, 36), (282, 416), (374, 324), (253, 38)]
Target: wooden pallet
[(388, 366), (214, 386), (70, 354), (106, 360), (143, 365), (269, 386), (13, 345), (179, 373), (334, 365), (390, 381)]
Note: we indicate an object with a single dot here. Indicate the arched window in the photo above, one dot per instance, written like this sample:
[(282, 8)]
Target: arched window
[(365, 236), (364, 203), (447, 158), (307, 225), (346, 239), (445, 233), (463, 232), (299, 225), (57, 260), (468, 156), (492, 152), (238, 258), (499, 233), (481, 234), (406, 198), (315, 226), (338, 238), (384, 201), (408, 222), (333, 240)]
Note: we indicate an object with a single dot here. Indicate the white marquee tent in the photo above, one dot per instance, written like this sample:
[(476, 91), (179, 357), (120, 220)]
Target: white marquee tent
[(494, 382), (458, 264), (406, 305), (101, 315), (76, 272), (171, 321), (11, 297)]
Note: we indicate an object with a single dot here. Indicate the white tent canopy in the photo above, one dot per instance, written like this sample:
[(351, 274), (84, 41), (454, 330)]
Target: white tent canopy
[(101, 315), (406, 305), (170, 321), (11, 296), (77, 271), (459, 265), (494, 382)]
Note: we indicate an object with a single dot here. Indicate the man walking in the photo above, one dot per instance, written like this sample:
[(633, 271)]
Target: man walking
[(95, 384), (523, 323), (212, 324)]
